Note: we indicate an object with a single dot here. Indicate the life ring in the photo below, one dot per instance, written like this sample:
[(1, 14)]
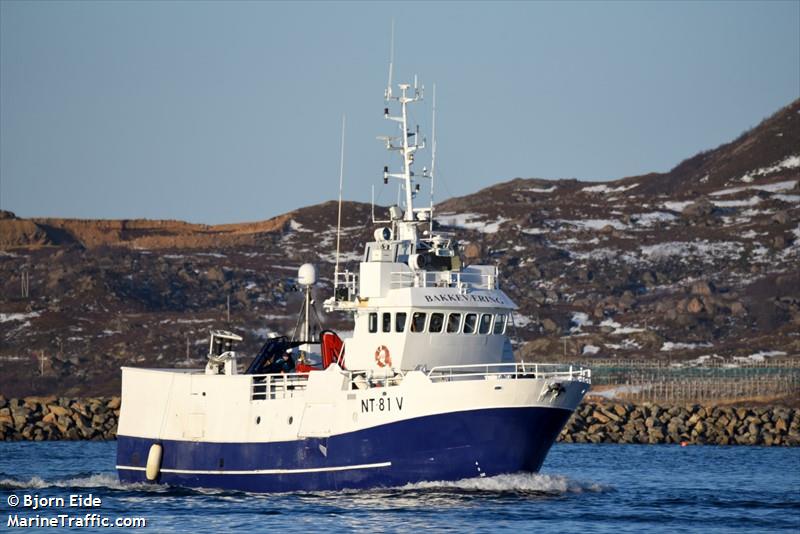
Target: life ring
[(382, 357)]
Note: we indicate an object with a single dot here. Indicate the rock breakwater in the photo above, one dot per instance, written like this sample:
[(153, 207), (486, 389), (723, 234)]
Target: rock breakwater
[(95, 418), (57, 418), (691, 424)]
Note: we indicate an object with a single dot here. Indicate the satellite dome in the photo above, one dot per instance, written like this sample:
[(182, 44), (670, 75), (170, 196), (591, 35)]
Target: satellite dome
[(307, 275)]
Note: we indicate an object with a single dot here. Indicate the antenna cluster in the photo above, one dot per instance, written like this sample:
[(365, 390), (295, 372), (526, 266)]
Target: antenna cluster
[(407, 143)]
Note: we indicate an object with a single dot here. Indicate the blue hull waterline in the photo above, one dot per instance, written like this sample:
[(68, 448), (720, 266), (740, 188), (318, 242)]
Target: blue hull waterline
[(449, 446)]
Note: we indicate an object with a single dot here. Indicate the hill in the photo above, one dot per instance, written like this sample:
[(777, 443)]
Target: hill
[(700, 262)]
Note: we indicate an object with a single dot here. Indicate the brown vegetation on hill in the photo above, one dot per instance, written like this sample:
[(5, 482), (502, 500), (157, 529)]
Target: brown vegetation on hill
[(136, 233), (702, 261)]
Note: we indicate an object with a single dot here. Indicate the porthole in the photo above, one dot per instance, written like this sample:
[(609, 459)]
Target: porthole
[(258, 420), (291, 419)]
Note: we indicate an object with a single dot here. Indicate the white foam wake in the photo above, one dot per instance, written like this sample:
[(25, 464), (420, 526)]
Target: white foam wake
[(516, 482), (96, 480)]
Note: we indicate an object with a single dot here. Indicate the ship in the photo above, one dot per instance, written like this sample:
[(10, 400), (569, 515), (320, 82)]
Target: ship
[(426, 387)]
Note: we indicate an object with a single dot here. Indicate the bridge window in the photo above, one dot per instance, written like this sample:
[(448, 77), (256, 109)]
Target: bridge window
[(499, 324), (437, 321), (400, 322), (386, 324), (418, 322), (486, 324), (470, 320), (373, 323), (453, 323)]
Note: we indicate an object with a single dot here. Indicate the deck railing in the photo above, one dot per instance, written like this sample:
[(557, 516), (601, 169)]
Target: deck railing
[(509, 370), (283, 386), (346, 282), (277, 386), (402, 279)]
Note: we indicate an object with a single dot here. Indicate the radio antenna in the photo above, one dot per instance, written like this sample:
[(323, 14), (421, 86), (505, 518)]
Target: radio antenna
[(388, 93), (433, 152), (339, 219)]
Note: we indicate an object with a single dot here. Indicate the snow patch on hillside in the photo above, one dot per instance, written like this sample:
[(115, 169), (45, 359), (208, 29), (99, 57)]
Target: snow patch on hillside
[(297, 227), (789, 162), (595, 224), (669, 346), (676, 205), (541, 189), (6, 317), (619, 329), (579, 320), (752, 201), (703, 250), (650, 219), (770, 188), (471, 221), (605, 189)]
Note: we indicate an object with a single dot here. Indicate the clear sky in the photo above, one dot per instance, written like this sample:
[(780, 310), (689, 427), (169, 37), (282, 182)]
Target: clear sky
[(226, 112)]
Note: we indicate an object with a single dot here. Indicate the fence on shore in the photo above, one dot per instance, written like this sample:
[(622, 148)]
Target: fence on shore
[(713, 380)]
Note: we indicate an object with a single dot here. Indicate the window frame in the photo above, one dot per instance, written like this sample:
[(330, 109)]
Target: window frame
[(474, 324), (458, 324), (372, 322), (502, 331), (488, 327), (414, 315), (441, 323), (400, 327)]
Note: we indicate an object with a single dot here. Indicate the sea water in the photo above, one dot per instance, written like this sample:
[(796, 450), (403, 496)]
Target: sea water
[(582, 488)]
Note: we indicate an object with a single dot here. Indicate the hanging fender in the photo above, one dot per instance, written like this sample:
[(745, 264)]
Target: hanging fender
[(153, 462)]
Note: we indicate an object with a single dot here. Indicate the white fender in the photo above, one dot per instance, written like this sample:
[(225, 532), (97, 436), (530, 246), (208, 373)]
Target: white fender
[(153, 462)]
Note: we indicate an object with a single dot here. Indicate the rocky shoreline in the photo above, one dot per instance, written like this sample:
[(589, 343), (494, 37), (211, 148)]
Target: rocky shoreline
[(691, 424), (95, 418), (58, 418)]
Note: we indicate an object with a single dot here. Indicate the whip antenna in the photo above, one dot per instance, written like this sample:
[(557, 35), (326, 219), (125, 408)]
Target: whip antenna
[(339, 218), (388, 93), (433, 151)]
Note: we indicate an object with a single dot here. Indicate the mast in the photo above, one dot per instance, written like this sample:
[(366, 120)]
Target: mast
[(407, 147)]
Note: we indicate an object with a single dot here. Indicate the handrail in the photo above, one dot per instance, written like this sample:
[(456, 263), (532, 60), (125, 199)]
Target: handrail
[(348, 281), (515, 370), (282, 386), (277, 385), (400, 279)]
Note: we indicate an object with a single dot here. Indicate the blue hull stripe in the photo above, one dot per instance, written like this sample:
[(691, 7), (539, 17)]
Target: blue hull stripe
[(447, 446)]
